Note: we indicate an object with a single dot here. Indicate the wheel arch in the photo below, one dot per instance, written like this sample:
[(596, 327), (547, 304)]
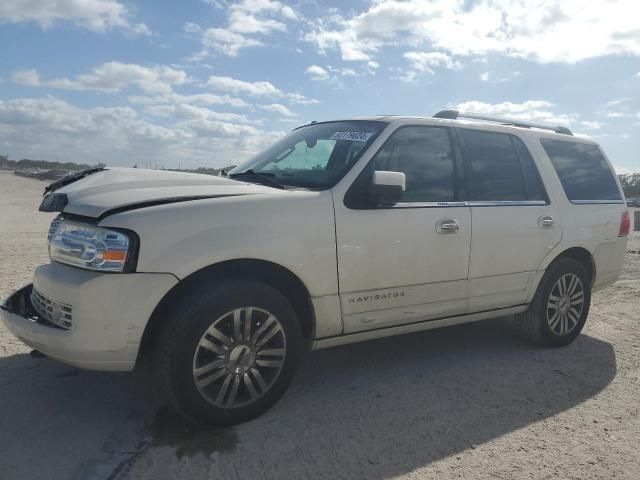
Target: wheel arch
[(270, 273), (583, 256), (580, 254)]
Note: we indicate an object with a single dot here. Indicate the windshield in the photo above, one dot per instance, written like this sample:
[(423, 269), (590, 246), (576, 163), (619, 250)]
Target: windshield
[(314, 156)]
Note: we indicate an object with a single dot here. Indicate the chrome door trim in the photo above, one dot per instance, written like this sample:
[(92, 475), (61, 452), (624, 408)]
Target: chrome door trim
[(597, 202), (472, 203), (429, 204), (505, 203)]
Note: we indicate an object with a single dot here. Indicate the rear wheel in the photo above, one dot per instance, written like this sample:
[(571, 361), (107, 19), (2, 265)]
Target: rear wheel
[(228, 351), (560, 306)]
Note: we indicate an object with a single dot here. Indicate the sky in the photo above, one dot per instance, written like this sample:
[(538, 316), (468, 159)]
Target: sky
[(211, 82)]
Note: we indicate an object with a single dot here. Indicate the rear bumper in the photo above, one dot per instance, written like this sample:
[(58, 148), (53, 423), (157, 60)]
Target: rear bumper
[(110, 312)]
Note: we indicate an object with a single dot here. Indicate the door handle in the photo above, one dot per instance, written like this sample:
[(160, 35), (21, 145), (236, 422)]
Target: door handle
[(546, 221), (447, 225)]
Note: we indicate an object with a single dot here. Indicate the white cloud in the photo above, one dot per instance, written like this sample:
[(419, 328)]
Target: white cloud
[(185, 111), (48, 128), (488, 77), (202, 99), (279, 109), (256, 89), (330, 74), (247, 21), (96, 15), (111, 77), (550, 31), (618, 101), (617, 108), (28, 77), (316, 72), (225, 41), (426, 62), (617, 115), (191, 27), (228, 84), (533, 110), (589, 125)]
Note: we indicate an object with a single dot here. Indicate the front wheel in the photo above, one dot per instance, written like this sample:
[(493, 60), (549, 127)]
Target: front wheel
[(560, 306), (229, 351)]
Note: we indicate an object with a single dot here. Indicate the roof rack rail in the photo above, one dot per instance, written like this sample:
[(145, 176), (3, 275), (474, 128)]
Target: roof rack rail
[(455, 114)]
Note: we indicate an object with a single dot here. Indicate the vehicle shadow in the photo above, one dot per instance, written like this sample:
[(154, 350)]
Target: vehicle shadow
[(373, 410), (379, 409), (58, 422)]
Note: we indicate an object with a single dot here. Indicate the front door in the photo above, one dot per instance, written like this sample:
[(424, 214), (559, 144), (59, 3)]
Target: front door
[(407, 263)]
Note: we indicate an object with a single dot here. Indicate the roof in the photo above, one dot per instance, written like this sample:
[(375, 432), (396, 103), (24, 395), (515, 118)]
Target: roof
[(499, 123)]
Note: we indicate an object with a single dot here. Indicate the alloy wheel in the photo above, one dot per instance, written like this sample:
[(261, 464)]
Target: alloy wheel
[(565, 305), (239, 357)]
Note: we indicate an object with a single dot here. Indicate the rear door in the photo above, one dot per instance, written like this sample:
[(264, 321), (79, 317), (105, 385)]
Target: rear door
[(514, 224)]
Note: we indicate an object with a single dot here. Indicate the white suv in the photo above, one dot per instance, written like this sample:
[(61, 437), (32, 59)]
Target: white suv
[(340, 232)]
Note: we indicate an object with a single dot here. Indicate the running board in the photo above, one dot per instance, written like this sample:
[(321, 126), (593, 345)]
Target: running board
[(414, 327)]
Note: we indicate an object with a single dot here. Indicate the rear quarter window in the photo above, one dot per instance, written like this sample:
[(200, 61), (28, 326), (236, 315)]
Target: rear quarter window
[(583, 171)]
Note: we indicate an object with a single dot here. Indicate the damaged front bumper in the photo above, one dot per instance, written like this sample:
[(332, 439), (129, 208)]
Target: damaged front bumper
[(25, 322), (86, 319)]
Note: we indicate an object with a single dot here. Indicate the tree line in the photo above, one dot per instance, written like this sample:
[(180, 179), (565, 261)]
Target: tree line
[(26, 164), (630, 184)]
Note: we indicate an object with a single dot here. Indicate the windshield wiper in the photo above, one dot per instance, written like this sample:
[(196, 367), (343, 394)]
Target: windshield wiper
[(263, 178)]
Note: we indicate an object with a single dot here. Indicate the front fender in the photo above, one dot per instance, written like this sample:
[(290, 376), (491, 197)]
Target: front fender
[(292, 229)]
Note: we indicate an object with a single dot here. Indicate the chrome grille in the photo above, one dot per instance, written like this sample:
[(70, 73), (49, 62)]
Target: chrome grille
[(59, 314)]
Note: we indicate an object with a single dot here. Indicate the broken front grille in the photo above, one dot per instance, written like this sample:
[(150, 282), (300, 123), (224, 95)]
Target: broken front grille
[(56, 313)]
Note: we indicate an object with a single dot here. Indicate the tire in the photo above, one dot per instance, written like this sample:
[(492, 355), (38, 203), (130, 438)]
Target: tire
[(540, 322), (207, 362)]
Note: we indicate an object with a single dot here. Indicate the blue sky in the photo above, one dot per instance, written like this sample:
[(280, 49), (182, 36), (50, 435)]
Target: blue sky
[(210, 82)]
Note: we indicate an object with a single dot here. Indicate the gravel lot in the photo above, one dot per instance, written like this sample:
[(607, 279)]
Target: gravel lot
[(470, 402)]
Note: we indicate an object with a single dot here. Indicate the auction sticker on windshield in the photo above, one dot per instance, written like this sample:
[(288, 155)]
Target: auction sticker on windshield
[(353, 136)]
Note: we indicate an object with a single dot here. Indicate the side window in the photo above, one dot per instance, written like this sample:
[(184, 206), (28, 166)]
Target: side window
[(532, 181), (502, 169), (584, 173), (425, 156)]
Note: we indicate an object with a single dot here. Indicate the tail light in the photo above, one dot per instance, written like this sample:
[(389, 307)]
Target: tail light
[(625, 224)]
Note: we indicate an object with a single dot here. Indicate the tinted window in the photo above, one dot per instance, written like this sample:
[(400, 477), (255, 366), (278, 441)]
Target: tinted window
[(495, 166), (532, 181), (425, 156), (583, 170)]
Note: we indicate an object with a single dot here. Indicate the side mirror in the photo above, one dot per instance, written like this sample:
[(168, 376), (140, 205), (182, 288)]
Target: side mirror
[(387, 187)]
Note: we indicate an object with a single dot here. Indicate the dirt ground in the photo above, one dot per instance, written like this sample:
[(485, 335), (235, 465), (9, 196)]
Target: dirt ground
[(469, 402)]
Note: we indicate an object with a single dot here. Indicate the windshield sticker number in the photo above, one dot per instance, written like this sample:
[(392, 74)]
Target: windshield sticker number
[(352, 136)]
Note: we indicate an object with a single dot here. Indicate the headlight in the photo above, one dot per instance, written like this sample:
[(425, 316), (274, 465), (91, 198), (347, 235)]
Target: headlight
[(91, 247)]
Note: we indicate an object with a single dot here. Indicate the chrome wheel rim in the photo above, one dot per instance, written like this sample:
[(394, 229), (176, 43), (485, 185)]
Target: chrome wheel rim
[(565, 305), (239, 357)]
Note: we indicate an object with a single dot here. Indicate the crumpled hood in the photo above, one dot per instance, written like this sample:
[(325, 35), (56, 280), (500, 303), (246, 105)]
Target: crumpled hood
[(118, 189)]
